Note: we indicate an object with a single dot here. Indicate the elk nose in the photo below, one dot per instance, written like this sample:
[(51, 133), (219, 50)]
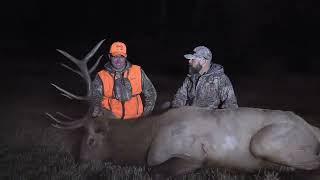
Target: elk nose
[(90, 142)]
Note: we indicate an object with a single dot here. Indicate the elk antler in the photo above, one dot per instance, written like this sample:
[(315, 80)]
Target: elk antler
[(84, 72)]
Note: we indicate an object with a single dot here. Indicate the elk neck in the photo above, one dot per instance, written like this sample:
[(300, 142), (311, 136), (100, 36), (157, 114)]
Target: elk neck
[(131, 140)]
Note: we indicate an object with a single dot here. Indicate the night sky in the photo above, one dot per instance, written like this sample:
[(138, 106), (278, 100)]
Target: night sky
[(241, 34)]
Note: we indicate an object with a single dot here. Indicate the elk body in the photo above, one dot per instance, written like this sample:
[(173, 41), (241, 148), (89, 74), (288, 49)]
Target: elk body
[(184, 139)]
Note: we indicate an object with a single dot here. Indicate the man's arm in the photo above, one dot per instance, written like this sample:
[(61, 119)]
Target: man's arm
[(149, 93), (97, 95), (180, 98), (227, 95)]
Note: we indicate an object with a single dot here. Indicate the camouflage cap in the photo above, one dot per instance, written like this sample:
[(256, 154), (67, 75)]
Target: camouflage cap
[(200, 52)]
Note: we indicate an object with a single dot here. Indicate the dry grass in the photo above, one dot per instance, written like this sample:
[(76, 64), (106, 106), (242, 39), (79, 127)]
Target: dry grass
[(45, 154), (40, 162)]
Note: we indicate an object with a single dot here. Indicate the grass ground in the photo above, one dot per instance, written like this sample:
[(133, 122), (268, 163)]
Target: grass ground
[(40, 162)]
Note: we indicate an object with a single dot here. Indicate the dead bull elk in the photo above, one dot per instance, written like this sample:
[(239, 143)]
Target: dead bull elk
[(184, 139)]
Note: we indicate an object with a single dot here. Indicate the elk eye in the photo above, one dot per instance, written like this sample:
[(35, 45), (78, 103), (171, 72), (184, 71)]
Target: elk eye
[(99, 130)]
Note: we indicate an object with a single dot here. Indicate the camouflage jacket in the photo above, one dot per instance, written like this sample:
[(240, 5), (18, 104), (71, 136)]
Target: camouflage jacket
[(212, 90), (149, 94)]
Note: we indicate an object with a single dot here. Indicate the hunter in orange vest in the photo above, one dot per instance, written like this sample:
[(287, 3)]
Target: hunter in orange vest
[(122, 88)]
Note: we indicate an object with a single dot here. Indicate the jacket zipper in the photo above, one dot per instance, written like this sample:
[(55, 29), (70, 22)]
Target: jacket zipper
[(123, 110), (137, 105)]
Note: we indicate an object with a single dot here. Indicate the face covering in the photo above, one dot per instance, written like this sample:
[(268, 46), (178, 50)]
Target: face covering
[(118, 62)]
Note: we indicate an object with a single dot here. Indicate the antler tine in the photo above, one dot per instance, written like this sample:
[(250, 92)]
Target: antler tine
[(84, 72), (66, 95), (65, 116), (69, 94), (84, 67), (66, 127), (95, 65), (72, 123), (93, 51), (71, 69), (71, 120), (73, 59)]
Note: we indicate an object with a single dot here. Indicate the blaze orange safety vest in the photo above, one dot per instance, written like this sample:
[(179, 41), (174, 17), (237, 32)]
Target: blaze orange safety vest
[(132, 108)]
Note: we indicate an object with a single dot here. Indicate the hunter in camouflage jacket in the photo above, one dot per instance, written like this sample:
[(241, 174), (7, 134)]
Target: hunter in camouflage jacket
[(212, 90)]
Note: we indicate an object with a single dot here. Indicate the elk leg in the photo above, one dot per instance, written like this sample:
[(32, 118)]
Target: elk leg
[(288, 145), (173, 167)]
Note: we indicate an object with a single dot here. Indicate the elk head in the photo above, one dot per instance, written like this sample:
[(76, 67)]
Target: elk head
[(95, 142), (92, 146)]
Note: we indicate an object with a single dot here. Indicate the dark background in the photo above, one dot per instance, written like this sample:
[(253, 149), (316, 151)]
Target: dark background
[(269, 49), (238, 32)]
